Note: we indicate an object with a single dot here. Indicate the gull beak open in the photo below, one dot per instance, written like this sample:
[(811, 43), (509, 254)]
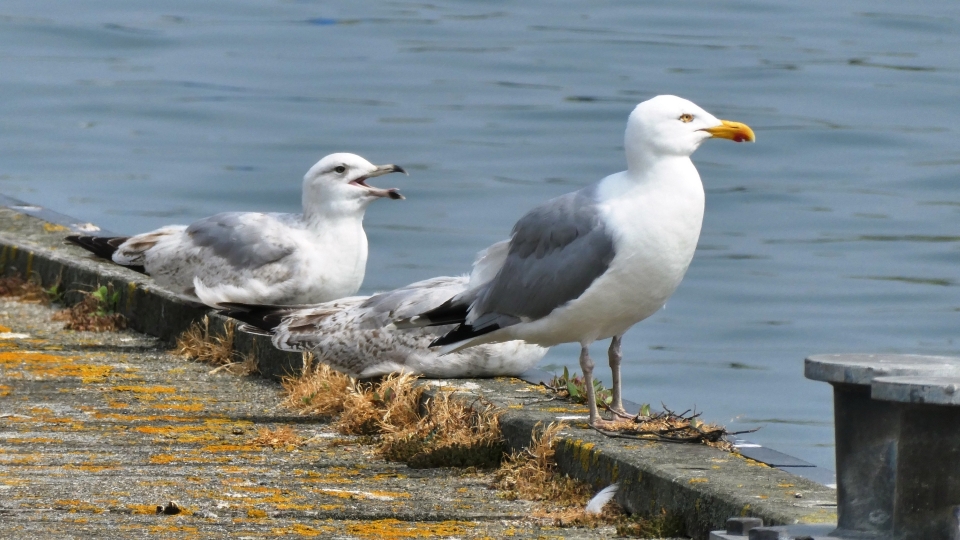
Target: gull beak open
[(381, 170), (735, 131)]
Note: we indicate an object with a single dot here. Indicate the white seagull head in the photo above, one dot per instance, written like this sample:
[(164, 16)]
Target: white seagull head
[(341, 180), (673, 126)]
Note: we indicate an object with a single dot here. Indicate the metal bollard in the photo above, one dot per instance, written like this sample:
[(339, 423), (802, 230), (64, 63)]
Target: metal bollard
[(928, 462), (867, 432)]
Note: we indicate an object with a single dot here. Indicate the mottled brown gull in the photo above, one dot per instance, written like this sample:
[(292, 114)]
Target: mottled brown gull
[(356, 336)]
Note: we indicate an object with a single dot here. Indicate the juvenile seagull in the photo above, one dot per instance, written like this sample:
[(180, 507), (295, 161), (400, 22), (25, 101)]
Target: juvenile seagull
[(258, 258), (356, 336), (590, 264)]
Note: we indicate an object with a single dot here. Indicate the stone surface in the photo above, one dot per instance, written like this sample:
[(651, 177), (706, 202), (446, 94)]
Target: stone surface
[(932, 390), (98, 430), (867, 432), (701, 485), (862, 369)]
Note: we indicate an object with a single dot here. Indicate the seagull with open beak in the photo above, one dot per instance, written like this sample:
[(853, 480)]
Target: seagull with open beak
[(259, 258)]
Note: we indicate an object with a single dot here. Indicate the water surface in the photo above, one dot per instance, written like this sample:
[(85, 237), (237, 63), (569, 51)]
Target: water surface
[(835, 232)]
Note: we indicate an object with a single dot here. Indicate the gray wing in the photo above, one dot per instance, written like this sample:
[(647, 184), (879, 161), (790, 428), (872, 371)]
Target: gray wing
[(556, 252), (244, 239), (383, 308)]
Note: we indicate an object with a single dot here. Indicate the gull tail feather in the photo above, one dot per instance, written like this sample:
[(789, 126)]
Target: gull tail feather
[(257, 319), (251, 329), (103, 246), (453, 311), (596, 504)]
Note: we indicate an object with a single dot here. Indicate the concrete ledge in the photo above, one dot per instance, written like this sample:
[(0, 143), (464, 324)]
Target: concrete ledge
[(703, 485)]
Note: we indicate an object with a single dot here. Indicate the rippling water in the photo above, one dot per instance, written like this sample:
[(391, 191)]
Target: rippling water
[(835, 232)]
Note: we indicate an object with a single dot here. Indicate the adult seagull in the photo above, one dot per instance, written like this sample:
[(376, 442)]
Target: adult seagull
[(590, 264), (356, 336), (258, 258)]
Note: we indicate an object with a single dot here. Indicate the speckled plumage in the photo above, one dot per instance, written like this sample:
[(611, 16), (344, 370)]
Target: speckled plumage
[(356, 336)]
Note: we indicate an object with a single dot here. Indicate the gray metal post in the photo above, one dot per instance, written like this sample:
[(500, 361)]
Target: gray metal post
[(866, 434), (928, 462)]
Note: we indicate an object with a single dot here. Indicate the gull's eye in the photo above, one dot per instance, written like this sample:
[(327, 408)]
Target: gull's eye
[(686, 118), (340, 169)]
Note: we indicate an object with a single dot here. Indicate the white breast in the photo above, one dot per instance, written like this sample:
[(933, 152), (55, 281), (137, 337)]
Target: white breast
[(655, 223), (334, 261)]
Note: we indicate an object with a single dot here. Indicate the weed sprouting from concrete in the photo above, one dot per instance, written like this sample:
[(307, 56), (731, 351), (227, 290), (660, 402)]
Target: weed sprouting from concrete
[(202, 344), (575, 388), (283, 437), (95, 312)]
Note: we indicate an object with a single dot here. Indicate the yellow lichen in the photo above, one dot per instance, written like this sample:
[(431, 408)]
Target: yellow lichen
[(394, 528), (142, 509)]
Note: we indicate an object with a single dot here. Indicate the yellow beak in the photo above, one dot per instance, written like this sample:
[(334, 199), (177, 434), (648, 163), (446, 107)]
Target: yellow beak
[(735, 131)]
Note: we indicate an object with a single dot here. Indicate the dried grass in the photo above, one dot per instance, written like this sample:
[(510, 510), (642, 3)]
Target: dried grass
[(283, 437), (203, 345), (321, 391), (381, 407), (672, 427), (25, 290), (449, 434), (95, 312), (445, 433), (532, 475)]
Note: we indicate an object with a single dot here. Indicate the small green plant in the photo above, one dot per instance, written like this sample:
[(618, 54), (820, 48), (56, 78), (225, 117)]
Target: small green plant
[(576, 388), (107, 300), (97, 311), (54, 293)]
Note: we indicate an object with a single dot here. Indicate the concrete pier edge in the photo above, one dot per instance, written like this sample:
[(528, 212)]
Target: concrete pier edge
[(700, 485)]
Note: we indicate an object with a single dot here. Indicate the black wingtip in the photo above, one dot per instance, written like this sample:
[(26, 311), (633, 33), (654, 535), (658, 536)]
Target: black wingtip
[(101, 246), (265, 317), (461, 333), (449, 312)]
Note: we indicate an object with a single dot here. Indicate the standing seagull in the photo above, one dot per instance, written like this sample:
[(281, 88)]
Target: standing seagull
[(257, 258), (590, 264), (356, 335)]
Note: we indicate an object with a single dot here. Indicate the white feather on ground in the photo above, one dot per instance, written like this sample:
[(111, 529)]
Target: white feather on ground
[(596, 504), (356, 335)]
